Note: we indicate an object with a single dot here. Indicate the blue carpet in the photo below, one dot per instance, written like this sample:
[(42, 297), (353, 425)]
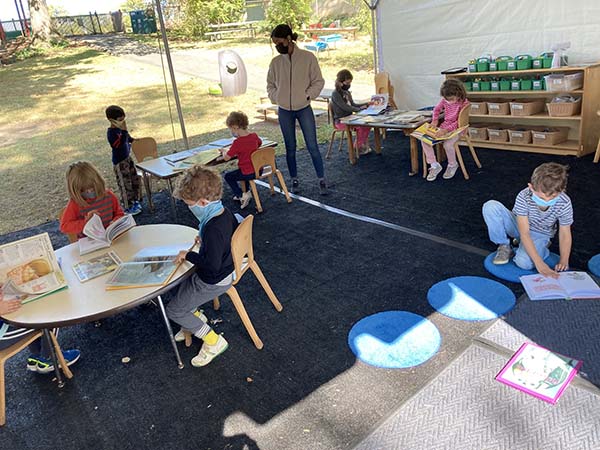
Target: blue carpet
[(510, 272), (394, 339), (594, 265), (471, 298)]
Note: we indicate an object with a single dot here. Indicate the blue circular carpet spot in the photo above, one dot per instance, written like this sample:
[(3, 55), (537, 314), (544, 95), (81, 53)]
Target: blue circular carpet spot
[(510, 271), (471, 298), (594, 265), (394, 339)]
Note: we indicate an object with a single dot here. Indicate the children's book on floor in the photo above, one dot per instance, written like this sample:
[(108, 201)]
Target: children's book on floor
[(539, 372), (568, 285), (97, 266), (151, 266), (432, 135), (377, 104), (98, 237), (29, 269)]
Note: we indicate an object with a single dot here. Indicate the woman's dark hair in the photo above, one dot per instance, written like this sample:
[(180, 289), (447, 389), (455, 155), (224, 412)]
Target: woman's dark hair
[(283, 30), (342, 76), (114, 112), (453, 88)]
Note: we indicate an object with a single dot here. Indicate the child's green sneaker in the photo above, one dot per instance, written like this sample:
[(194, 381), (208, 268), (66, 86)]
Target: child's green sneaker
[(209, 352), (44, 365)]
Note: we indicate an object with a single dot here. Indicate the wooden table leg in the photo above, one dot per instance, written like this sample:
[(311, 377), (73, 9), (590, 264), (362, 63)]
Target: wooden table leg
[(377, 136), (414, 157), (351, 153)]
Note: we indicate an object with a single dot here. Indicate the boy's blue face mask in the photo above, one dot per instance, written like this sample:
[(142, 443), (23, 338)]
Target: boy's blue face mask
[(205, 213), (543, 203)]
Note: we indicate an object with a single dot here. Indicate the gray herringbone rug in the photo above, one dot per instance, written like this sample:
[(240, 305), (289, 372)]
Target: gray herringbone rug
[(464, 408)]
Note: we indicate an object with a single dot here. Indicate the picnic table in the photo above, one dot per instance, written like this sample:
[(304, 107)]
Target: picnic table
[(218, 30), (332, 30)]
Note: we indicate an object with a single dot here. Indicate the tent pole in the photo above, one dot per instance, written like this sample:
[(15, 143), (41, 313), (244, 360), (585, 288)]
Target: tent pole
[(172, 73), (374, 41)]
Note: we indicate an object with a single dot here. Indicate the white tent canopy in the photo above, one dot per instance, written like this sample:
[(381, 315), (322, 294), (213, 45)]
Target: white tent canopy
[(419, 39)]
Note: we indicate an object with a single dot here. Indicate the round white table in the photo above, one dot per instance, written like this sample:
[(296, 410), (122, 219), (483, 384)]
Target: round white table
[(90, 301)]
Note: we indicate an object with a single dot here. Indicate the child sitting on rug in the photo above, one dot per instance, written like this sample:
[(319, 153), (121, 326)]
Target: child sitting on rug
[(87, 196), (454, 98), (243, 146), (342, 105), (533, 220), (201, 189)]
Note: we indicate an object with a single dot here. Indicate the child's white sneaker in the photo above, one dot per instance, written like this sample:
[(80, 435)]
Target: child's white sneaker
[(180, 335), (246, 197), (434, 171), (450, 171), (209, 352)]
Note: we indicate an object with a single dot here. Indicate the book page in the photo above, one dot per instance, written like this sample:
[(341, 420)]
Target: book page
[(540, 287), (119, 226), (140, 274), (94, 228), (160, 253), (29, 268), (579, 285), (95, 267)]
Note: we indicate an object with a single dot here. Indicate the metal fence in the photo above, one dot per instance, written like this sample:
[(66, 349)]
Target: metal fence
[(68, 25)]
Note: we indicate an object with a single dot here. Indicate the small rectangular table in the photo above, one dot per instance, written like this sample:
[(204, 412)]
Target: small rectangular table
[(164, 166), (378, 123)]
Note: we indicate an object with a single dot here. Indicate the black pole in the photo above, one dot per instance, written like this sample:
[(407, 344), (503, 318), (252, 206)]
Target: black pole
[(98, 20), (92, 20), (20, 19), (27, 28)]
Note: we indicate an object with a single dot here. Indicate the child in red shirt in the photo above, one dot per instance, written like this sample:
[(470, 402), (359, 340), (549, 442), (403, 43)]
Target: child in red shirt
[(87, 196), (243, 146)]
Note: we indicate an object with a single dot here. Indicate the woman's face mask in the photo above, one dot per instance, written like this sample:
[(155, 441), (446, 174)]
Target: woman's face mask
[(282, 48)]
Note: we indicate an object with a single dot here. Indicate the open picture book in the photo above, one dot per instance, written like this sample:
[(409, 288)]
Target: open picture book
[(29, 269), (151, 266), (377, 104), (568, 285), (431, 135), (539, 372), (98, 237), (204, 157), (97, 266)]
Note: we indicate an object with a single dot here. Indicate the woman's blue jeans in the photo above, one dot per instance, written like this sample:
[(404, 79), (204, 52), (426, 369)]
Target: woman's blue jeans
[(287, 123)]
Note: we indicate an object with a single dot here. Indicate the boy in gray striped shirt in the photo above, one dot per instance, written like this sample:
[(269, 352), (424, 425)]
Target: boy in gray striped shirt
[(540, 210)]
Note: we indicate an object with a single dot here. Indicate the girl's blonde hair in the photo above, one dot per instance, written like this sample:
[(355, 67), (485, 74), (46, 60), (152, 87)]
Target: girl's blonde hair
[(197, 183), (81, 176)]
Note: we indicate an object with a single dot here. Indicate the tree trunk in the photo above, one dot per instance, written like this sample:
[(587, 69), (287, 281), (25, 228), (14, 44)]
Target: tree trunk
[(40, 20)]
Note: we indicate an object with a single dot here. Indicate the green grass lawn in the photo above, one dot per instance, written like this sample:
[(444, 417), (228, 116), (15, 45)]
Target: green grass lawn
[(53, 114)]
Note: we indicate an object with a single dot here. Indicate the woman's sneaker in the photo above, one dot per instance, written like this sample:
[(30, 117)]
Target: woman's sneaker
[(44, 365), (209, 352), (450, 171), (434, 171)]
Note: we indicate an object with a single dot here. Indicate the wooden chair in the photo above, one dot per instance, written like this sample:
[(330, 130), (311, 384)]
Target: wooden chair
[(333, 133), (263, 161), (145, 148), (243, 259), (16, 348), (463, 120), (72, 236), (597, 155), (383, 85)]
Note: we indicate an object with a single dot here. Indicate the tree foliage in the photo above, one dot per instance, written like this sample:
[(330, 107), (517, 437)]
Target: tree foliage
[(201, 13), (293, 12)]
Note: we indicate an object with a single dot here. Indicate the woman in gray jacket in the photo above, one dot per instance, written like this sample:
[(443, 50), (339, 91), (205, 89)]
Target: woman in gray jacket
[(294, 79)]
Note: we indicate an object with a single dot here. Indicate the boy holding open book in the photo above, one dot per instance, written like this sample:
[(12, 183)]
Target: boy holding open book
[(201, 189), (540, 209)]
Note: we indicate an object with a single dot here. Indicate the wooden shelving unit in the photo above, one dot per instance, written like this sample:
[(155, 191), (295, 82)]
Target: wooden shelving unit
[(584, 129)]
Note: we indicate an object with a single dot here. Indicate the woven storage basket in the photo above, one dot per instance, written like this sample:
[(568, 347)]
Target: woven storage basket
[(497, 133), (565, 109), (519, 136), (479, 108), (550, 136), (478, 132), (501, 108), (528, 108)]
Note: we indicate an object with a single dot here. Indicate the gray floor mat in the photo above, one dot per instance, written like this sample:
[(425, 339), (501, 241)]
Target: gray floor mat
[(464, 407)]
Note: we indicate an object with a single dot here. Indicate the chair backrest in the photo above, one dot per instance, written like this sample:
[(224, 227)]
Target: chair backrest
[(144, 148), (383, 85), (261, 159), (463, 116), (241, 247), (72, 236)]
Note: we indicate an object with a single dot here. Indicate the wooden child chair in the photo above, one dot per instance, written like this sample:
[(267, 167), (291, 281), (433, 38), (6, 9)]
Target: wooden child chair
[(597, 155), (383, 85), (16, 348), (332, 138), (243, 259), (263, 161), (463, 120), (145, 148)]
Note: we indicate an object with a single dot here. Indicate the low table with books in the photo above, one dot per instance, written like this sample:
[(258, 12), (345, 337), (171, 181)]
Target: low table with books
[(97, 285)]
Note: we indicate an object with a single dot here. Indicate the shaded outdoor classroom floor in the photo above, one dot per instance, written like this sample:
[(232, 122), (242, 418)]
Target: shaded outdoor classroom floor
[(305, 389)]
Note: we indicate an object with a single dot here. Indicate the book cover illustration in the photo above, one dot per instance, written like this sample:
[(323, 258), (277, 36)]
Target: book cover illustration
[(539, 372), (568, 285), (29, 269), (96, 267), (433, 135), (377, 104)]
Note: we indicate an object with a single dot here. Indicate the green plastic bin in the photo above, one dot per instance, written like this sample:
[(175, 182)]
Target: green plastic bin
[(483, 64), (515, 85), (511, 65), (538, 85), (524, 62), (502, 62), (468, 85), (475, 86), (494, 85), (472, 66), (485, 85), (547, 59), (526, 84), (505, 85)]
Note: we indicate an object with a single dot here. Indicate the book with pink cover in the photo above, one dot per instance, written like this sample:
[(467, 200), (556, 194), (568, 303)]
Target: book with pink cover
[(539, 372)]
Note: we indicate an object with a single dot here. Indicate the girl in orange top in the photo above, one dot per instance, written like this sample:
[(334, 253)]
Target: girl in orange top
[(88, 196)]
